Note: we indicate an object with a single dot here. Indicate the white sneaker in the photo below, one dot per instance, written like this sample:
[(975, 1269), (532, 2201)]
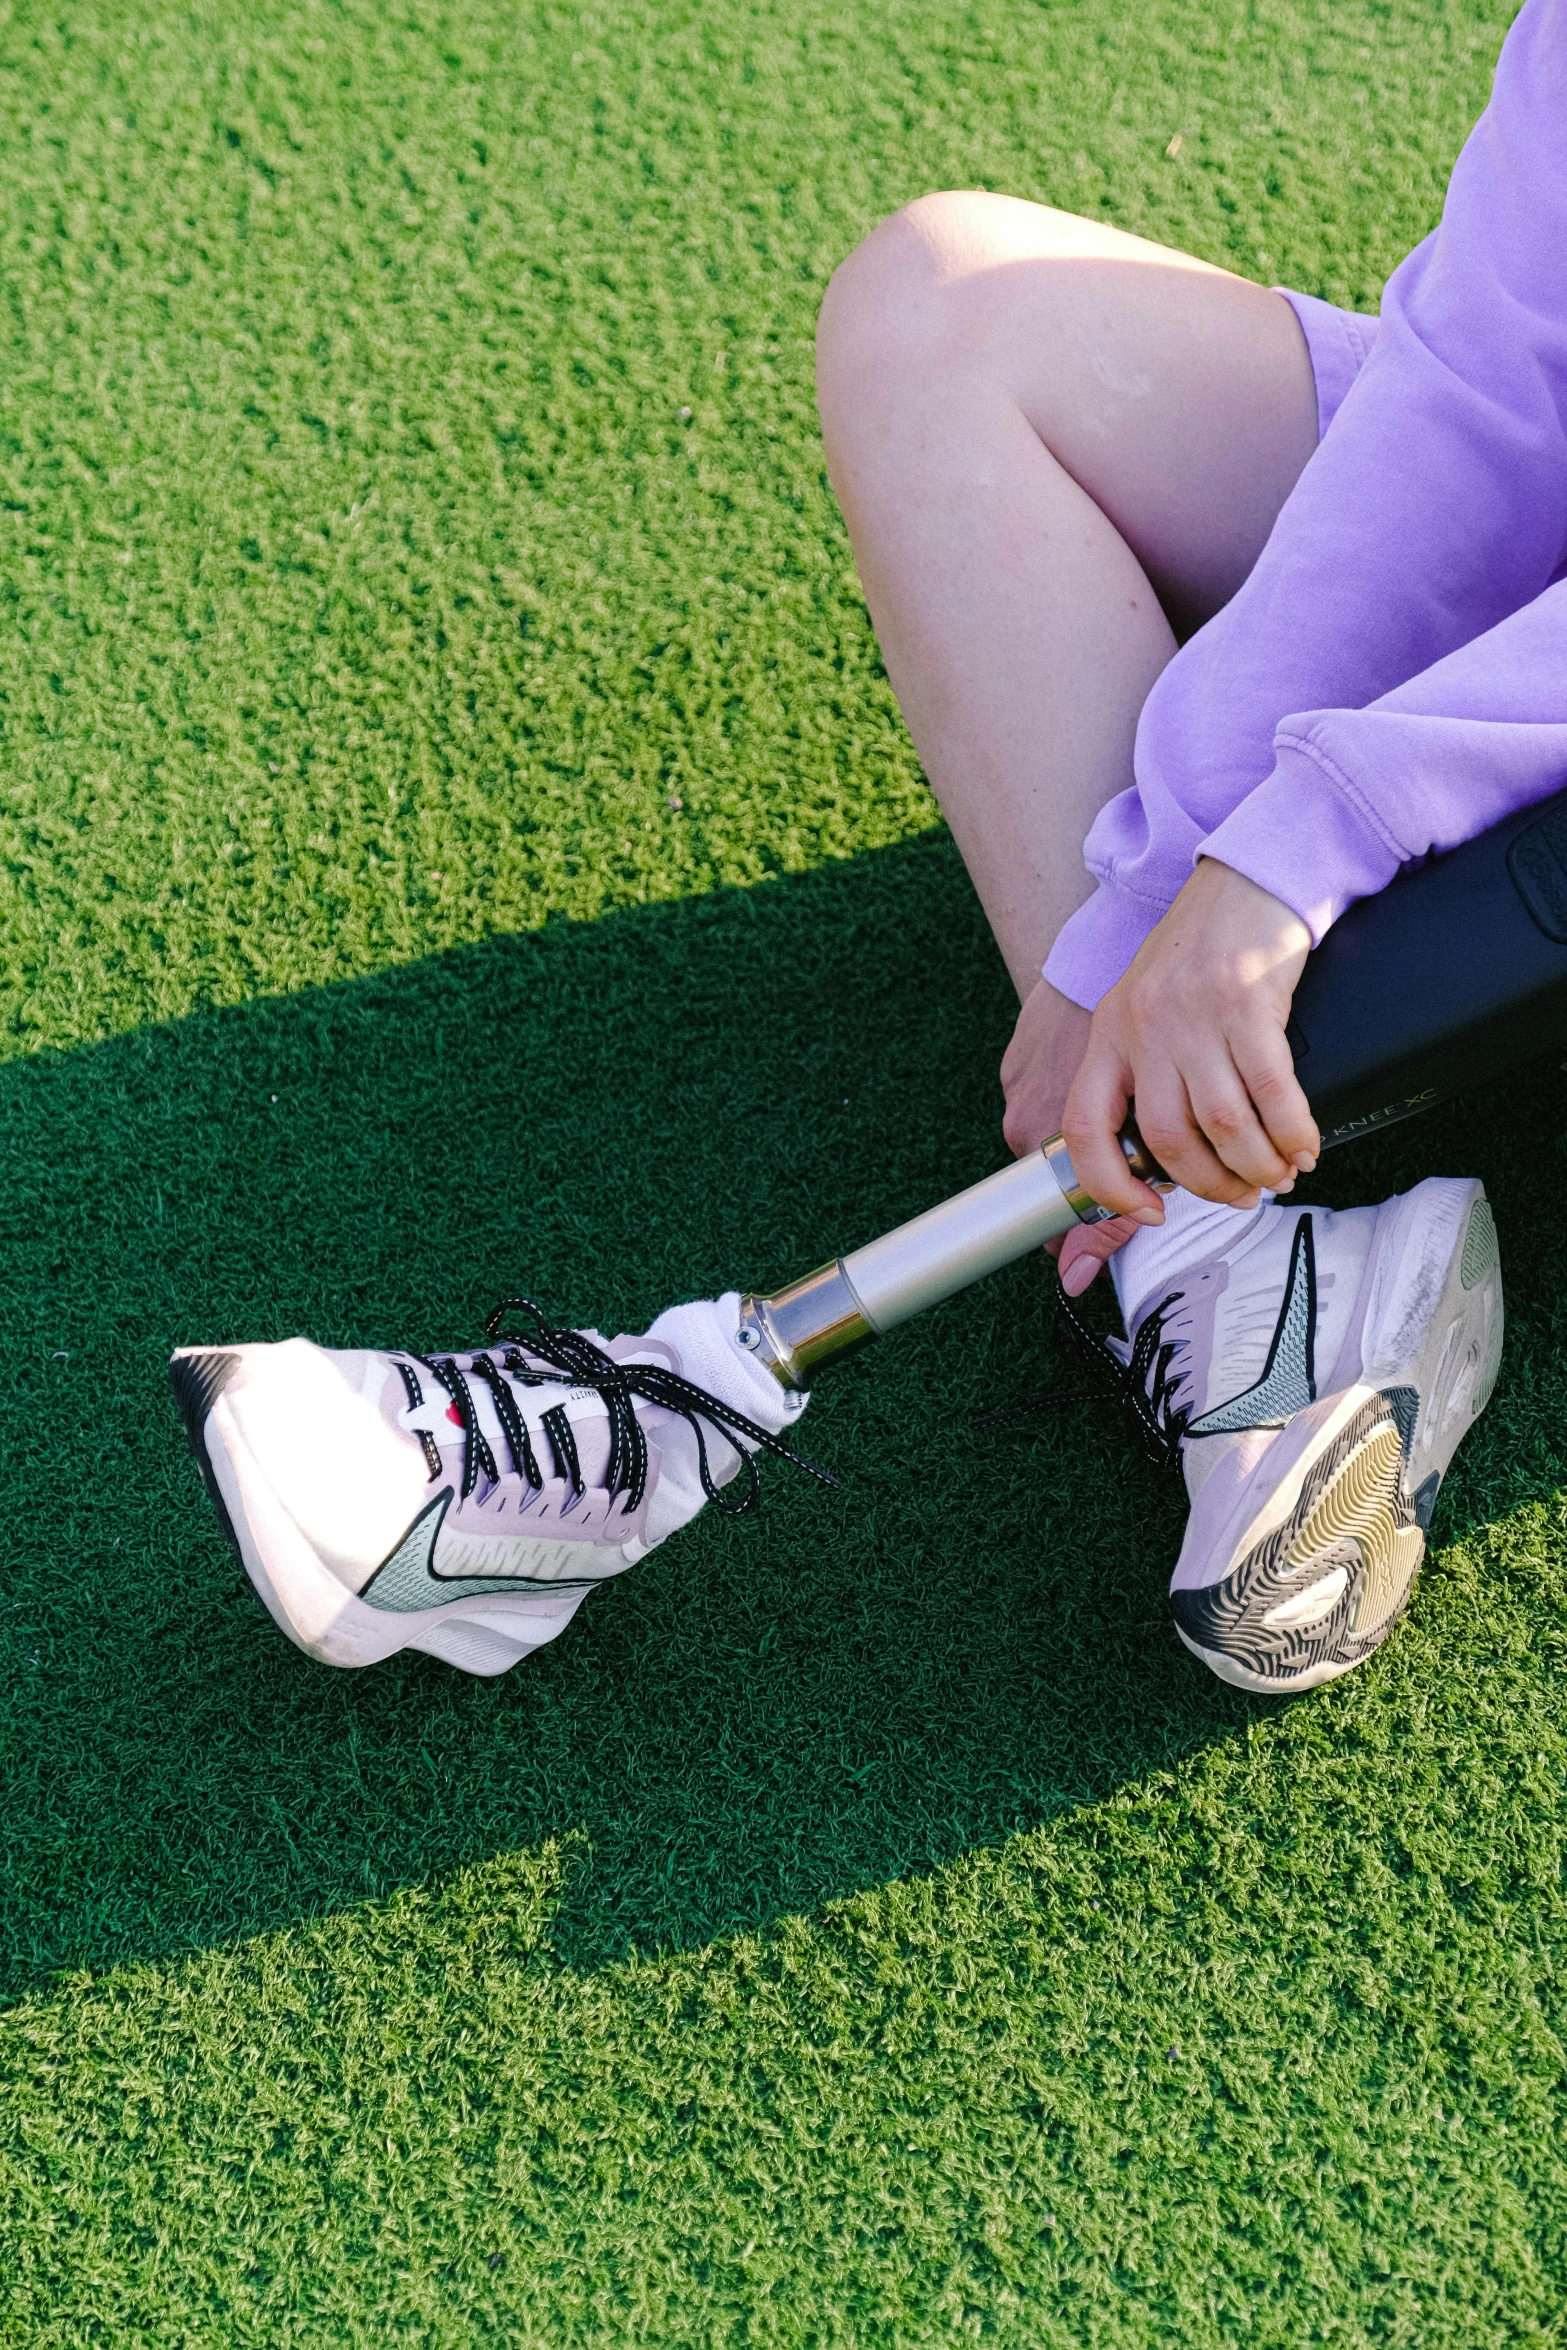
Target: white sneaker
[(466, 1504), (1317, 1372)]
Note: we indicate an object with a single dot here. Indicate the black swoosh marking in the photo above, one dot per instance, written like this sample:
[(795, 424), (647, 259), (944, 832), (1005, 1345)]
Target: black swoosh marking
[(407, 1581), (1288, 1381)]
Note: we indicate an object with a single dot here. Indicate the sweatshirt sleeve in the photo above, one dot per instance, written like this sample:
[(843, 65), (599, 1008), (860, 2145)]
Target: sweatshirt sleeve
[(1389, 679), (1356, 794)]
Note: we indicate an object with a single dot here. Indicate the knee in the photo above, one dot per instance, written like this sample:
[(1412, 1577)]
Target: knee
[(911, 297), (883, 304)]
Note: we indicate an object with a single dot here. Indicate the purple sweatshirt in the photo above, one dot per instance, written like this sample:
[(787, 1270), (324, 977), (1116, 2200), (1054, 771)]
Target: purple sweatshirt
[(1392, 678)]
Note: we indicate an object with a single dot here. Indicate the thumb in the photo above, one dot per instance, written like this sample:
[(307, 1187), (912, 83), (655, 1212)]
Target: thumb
[(1088, 1247)]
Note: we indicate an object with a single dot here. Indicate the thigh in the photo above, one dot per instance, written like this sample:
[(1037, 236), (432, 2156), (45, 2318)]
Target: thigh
[(1178, 396)]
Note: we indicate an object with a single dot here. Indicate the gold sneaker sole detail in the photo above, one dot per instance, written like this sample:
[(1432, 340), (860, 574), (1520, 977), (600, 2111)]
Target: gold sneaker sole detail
[(1362, 1506), (1481, 1253)]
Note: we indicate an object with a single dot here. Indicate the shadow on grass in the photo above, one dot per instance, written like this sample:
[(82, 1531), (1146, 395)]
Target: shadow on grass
[(968, 1638)]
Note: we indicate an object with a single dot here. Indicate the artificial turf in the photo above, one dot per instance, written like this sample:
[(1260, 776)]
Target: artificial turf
[(457, 837)]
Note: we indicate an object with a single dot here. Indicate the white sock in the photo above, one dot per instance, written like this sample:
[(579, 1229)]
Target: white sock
[(1156, 1253), (703, 1333), (705, 1336)]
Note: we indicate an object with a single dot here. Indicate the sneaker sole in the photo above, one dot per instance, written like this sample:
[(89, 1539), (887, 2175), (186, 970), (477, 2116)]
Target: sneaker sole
[(301, 1594), (1324, 1545)]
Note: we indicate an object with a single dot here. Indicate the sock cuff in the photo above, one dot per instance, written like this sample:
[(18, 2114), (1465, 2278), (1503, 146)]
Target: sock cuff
[(1192, 1228), (704, 1335)]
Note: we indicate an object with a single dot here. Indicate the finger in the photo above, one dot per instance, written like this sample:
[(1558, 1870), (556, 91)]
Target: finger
[(1087, 1247), (1168, 1123), (1229, 1123), (1095, 1111), (1267, 1070)]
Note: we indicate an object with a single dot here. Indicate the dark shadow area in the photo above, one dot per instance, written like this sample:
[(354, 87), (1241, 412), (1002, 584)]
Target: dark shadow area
[(968, 1637)]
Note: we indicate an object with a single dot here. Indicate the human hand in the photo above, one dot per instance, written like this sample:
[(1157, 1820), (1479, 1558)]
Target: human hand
[(1039, 1065), (1036, 1076), (1194, 1032)]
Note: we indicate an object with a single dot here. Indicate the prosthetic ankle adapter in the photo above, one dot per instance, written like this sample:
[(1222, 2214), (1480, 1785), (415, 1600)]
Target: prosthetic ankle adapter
[(1449, 978)]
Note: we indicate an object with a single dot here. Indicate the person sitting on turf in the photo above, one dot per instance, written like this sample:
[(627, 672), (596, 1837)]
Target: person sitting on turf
[(1060, 450)]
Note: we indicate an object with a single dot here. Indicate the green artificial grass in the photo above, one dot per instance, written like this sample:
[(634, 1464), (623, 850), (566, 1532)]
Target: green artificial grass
[(457, 837)]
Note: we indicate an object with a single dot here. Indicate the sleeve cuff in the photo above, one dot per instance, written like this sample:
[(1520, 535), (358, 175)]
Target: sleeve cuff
[(1095, 946), (1306, 836)]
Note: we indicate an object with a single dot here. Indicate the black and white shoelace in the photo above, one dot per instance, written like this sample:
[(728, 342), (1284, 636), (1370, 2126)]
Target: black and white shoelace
[(544, 1356), (1144, 1384)]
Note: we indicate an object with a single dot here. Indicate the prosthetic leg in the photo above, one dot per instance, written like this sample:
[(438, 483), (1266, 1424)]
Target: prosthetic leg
[(1448, 979)]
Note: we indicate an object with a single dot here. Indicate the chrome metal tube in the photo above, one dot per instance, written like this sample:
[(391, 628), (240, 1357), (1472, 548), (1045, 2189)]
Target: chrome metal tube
[(976, 1233), (842, 1306), (810, 1323)]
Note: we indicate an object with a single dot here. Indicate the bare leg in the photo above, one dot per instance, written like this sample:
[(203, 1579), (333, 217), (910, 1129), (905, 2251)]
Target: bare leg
[(1055, 446)]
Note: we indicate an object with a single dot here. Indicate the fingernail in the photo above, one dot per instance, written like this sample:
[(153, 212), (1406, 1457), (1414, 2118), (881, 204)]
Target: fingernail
[(1282, 1190), (1305, 1162), (1078, 1275), (1148, 1215)]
